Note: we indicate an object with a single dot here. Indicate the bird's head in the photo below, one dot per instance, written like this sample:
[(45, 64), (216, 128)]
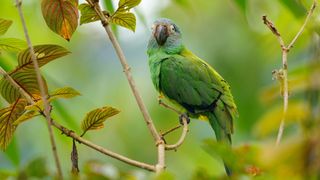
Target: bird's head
[(166, 35)]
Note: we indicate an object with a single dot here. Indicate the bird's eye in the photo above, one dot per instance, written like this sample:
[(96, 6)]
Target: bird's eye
[(172, 28)]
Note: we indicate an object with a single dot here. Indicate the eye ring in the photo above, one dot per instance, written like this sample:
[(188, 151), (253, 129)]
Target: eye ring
[(172, 28)]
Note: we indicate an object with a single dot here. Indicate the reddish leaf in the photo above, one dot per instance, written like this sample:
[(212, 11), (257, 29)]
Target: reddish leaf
[(61, 16), (7, 117)]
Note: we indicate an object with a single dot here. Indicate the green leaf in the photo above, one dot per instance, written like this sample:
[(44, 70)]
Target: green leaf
[(7, 117), (87, 14), (27, 79), (242, 4), (37, 169), (4, 25), (65, 92), (296, 7), (26, 116), (184, 3), (124, 19), (61, 16), (44, 54), (95, 118), (109, 5), (12, 44), (270, 121), (126, 5)]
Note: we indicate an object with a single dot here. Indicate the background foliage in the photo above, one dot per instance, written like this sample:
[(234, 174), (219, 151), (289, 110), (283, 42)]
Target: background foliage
[(231, 37)]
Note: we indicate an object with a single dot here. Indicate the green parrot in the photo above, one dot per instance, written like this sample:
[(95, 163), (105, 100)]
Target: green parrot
[(189, 82)]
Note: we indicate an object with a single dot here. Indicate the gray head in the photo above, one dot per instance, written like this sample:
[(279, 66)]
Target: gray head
[(166, 35)]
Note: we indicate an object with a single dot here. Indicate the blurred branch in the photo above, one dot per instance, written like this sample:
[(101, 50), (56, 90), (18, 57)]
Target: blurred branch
[(74, 136), (310, 12), (43, 92), (282, 74)]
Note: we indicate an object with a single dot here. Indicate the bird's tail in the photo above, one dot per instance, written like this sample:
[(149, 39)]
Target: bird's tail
[(221, 123)]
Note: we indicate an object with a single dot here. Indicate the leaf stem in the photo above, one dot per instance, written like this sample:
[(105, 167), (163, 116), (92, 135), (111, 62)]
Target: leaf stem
[(284, 76), (42, 90)]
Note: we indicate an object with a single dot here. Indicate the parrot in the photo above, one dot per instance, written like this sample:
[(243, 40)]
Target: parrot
[(189, 82)]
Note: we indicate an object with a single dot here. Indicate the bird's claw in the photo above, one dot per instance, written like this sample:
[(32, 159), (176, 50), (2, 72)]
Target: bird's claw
[(184, 116)]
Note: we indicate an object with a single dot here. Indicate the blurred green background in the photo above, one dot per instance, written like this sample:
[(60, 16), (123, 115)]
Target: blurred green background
[(229, 35)]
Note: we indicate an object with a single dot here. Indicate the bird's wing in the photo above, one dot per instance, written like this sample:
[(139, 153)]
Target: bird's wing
[(195, 85)]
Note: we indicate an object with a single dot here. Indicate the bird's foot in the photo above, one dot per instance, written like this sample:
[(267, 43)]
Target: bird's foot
[(182, 117)]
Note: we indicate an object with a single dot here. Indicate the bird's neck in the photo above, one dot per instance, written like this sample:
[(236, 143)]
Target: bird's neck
[(165, 49)]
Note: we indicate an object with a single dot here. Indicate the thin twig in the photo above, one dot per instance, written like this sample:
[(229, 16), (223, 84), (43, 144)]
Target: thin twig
[(182, 137), (161, 103), (284, 71), (171, 130), (310, 12), (73, 135), (42, 90)]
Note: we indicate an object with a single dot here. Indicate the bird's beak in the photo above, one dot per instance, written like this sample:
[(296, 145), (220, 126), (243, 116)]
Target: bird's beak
[(161, 34)]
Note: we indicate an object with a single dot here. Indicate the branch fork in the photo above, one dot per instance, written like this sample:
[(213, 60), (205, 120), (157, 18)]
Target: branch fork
[(282, 74)]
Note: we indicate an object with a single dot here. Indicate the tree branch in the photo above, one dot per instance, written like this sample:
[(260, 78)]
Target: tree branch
[(157, 138), (126, 69), (74, 136), (102, 150), (42, 90), (282, 75), (182, 137)]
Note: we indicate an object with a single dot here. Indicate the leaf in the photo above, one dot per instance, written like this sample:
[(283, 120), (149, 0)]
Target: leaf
[(87, 14), (37, 169), (296, 7), (12, 44), (242, 4), (109, 5), (61, 16), (184, 3), (124, 19), (126, 5), (95, 118), (66, 92), (270, 121), (27, 79), (44, 54), (4, 25), (26, 116), (7, 117)]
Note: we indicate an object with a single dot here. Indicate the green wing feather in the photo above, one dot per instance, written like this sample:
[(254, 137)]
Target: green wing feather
[(192, 83)]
